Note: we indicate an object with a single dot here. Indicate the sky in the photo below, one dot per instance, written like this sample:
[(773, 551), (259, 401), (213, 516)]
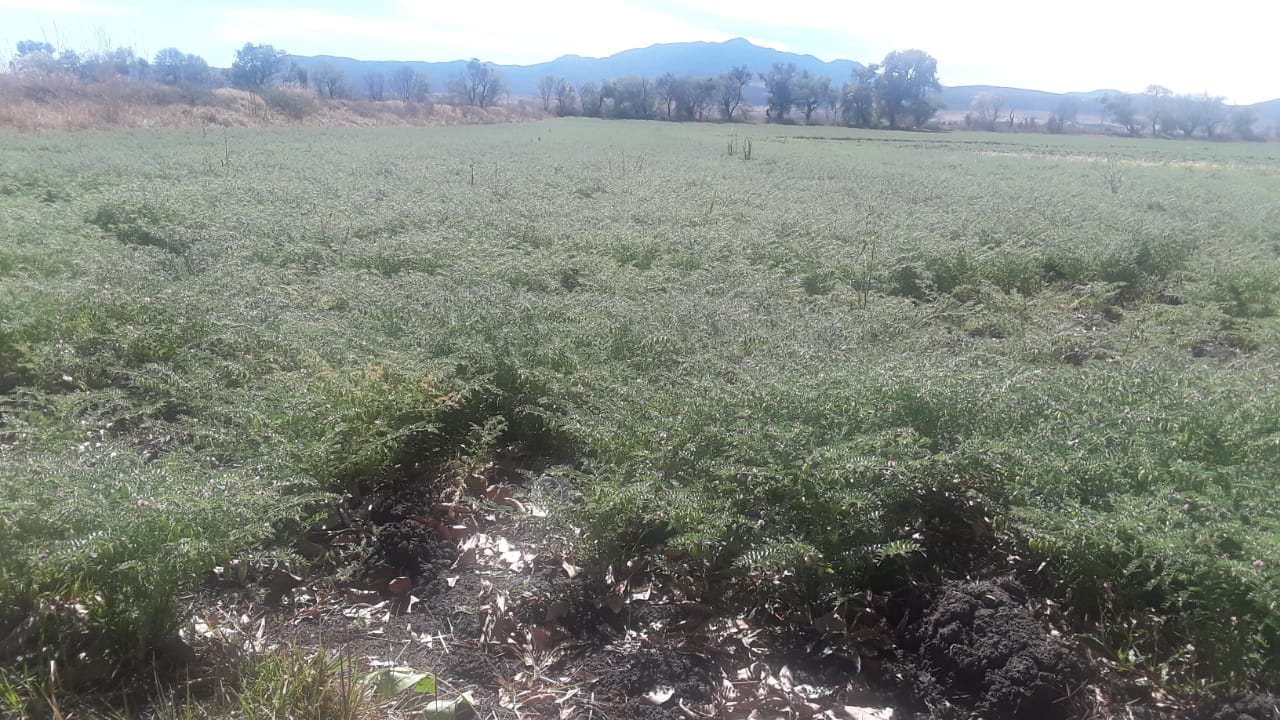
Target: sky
[(1070, 45)]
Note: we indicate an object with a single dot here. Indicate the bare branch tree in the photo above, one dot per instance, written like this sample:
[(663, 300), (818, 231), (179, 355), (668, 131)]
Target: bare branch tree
[(376, 84)]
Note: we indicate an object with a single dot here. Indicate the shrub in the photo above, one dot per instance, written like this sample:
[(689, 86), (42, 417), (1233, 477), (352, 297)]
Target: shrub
[(297, 104)]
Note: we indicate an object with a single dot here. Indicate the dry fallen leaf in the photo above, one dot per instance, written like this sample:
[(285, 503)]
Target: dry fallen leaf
[(659, 694), (497, 493), (850, 712), (540, 639), (556, 611), (466, 559), (282, 582), (362, 596), (785, 679)]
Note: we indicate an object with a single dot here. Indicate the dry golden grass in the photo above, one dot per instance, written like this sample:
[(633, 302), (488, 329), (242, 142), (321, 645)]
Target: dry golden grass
[(35, 102)]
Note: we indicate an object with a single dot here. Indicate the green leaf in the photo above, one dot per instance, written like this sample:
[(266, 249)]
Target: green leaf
[(393, 681), (426, 685), (446, 709)]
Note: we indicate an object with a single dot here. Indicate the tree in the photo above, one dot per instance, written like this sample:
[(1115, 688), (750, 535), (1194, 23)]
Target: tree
[(592, 100), (1063, 114), (730, 85), (778, 81), (907, 80), (810, 92), (690, 98), (329, 79), (298, 75), (171, 66), (702, 96), (1122, 110), (69, 62), (986, 107), (565, 96), (631, 97), (34, 47), (420, 91), (547, 90), (1157, 108), (255, 65), (1242, 120), (39, 56), (402, 79), (832, 108), (409, 85), (480, 84), (858, 97), (112, 63), (376, 84), (667, 87), (168, 65), (1213, 113), (922, 110)]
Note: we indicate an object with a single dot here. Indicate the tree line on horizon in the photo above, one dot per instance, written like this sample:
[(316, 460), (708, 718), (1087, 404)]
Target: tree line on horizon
[(896, 93), (899, 92), (1163, 113), (1156, 111)]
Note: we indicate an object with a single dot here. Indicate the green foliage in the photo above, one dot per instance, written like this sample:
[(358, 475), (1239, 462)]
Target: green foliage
[(137, 225), (845, 362), (125, 538), (1247, 290), (256, 65)]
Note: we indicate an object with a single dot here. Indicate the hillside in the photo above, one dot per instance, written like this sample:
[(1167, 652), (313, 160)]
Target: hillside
[(692, 58), (1268, 113)]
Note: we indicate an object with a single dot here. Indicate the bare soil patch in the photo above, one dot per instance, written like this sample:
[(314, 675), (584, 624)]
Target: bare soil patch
[(468, 590)]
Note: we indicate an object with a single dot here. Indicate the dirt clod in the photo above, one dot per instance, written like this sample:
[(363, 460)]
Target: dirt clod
[(405, 542), (978, 647)]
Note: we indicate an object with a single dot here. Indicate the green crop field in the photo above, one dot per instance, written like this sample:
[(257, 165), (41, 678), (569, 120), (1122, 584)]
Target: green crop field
[(849, 360)]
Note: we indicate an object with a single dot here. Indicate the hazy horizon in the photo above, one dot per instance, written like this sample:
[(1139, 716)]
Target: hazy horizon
[(1095, 46)]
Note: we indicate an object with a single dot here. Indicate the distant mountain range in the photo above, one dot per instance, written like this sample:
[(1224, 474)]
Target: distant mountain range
[(705, 59), (699, 59)]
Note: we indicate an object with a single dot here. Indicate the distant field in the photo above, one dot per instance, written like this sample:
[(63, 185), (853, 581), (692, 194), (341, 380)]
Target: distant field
[(855, 357)]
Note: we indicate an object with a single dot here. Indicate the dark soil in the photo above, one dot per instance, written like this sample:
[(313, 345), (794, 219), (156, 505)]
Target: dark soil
[(405, 542), (1245, 706), (978, 648), (625, 681)]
